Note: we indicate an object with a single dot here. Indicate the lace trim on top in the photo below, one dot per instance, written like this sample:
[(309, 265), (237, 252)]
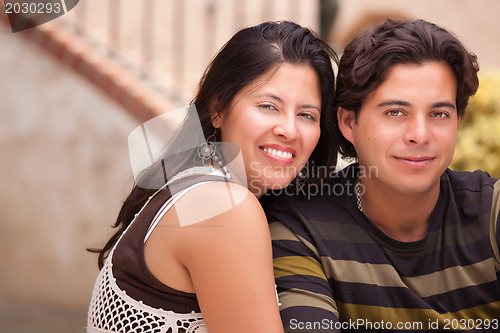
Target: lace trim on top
[(112, 310)]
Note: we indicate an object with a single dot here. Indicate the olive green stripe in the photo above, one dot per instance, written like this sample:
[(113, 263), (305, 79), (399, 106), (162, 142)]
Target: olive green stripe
[(384, 275), (495, 207), (352, 271), (299, 297), (446, 280), (378, 314), (281, 232), (287, 266)]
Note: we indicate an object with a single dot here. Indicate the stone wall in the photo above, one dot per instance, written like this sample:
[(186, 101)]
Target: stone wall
[(64, 171)]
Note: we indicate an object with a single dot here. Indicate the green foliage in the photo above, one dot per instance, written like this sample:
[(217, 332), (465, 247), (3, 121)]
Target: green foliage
[(478, 144)]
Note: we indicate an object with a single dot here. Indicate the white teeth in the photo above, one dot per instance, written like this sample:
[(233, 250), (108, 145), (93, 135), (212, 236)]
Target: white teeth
[(278, 153)]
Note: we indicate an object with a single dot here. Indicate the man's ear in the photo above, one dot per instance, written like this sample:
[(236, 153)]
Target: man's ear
[(346, 120), (215, 113)]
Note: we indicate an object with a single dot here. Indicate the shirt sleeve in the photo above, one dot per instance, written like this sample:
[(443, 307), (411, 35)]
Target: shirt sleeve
[(495, 227), (497, 259), (306, 298)]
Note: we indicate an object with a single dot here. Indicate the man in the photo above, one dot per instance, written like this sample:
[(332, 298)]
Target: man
[(407, 243)]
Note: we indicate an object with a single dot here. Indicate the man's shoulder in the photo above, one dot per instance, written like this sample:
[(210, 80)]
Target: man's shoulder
[(314, 211), (318, 200), (474, 181), (297, 202)]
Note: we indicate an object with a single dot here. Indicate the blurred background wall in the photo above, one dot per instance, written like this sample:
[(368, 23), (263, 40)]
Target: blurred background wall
[(72, 90)]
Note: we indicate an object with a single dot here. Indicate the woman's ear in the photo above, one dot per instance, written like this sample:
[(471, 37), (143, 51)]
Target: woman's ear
[(215, 113), (346, 120)]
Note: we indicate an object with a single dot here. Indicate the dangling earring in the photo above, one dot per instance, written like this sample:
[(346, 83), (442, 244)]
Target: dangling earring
[(208, 150), (209, 154)]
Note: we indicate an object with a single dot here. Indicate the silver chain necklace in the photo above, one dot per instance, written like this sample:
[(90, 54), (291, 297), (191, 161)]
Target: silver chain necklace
[(358, 195)]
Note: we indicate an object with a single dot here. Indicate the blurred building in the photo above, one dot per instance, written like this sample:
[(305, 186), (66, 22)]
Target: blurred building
[(474, 22), (72, 90)]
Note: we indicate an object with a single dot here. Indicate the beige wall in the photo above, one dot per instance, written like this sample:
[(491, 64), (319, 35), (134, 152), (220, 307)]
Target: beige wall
[(476, 23), (64, 171)]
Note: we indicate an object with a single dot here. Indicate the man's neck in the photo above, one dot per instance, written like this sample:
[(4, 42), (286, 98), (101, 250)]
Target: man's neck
[(403, 217)]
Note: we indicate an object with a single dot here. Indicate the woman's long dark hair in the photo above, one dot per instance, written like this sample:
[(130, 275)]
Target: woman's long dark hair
[(250, 53)]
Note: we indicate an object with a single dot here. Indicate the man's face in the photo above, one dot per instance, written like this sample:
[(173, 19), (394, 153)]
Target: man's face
[(407, 127)]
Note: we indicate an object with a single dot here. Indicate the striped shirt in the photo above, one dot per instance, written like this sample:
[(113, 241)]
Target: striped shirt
[(336, 271)]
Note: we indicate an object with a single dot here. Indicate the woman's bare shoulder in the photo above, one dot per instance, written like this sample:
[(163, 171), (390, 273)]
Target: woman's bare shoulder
[(216, 202)]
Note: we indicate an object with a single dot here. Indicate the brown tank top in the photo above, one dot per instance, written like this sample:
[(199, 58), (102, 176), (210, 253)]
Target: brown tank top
[(129, 265)]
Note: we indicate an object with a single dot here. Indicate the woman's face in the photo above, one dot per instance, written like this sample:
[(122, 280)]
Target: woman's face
[(275, 121)]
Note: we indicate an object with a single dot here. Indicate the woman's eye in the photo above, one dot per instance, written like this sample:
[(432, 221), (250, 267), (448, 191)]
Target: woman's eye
[(394, 113), (307, 115), (268, 106)]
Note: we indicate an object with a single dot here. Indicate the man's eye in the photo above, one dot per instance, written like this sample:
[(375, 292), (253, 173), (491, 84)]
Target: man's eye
[(394, 113), (440, 114)]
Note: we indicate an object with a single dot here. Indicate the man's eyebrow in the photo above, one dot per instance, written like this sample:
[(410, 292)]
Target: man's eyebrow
[(394, 102), (403, 103), (444, 105)]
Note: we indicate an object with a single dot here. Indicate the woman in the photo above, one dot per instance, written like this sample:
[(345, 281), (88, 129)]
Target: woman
[(197, 256)]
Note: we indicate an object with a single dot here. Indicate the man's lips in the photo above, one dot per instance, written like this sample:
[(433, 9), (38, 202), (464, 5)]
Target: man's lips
[(417, 161)]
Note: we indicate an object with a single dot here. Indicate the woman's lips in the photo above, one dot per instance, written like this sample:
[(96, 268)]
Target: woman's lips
[(278, 153)]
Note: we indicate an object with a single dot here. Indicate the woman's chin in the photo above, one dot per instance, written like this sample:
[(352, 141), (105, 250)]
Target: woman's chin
[(279, 183), (261, 186)]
